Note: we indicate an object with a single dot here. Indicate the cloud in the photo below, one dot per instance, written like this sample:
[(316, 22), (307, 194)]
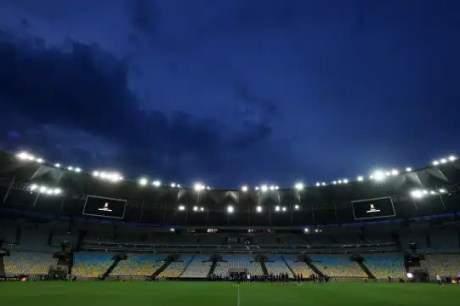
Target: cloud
[(77, 102)]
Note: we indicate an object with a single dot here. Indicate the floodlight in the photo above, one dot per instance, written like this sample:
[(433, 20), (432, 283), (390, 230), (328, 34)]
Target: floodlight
[(432, 192), (230, 209), (416, 194), (49, 191), (296, 207), (408, 169), (42, 189), (425, 192), (173, 185), (394, 172), (379, 175), (199, 187), (323, 184), (306, 230), (284, 208), (272, 187), (195, 208), (256, 188), (388, 173), (410, 275), (201, 208), (244, 188), (339, 181), (299, 186), (435, 163), (259, 209), (78, 170), (345, 181), (143, 181), (443, 161), (57, 191), (57, 165), (181, 207), (442, 190), (334, 182), (264, 188), (360, 178), (208, 188), (316, 230), (22, 155), (33, 187), (39, 160), (70, 168), (277, 208), (172, 230), (96, 173), (156, 183), (179, 186), (452, 158), (277, 187), (318, 184)]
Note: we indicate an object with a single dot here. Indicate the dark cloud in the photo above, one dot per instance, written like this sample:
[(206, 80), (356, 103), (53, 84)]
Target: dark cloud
[(83, 91)]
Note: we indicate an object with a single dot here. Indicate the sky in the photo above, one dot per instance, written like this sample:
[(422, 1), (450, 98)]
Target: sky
[(231, 92)]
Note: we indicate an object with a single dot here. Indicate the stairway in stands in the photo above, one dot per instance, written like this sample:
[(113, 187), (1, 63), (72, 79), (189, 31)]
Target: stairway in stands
[(162, 268), (366, 270), (213, 267), (289, 267), (314, 268), (186, 266), (116, 260), (264, 268)]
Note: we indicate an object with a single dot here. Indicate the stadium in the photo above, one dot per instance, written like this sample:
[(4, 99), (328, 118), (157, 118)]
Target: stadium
[(384, 238)]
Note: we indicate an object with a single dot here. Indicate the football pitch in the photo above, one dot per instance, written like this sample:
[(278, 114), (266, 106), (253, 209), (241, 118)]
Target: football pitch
[(224, 294)]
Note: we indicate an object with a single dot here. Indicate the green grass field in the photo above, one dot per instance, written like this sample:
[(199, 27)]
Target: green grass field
[(224, 294)]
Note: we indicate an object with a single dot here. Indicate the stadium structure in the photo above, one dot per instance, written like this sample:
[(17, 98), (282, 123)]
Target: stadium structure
[(61, 222)]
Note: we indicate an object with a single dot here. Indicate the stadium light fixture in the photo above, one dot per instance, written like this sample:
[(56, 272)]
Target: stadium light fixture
[(435, 163), (230, 209), (173, 185), (284, 209), (57, 191), (199, 187), (339, 182), (442, 190), (259, 209), (43, 189), (181, 207), (408, 169), (172, 230), (345, 181), (299, 186), (40, 160), (452, 158), (156, 183), (443, 160), (388, 173), (33, 187), (70, 168), (360, 178), (417, 194), (143, 181), (334, 182), (394, 172), (306, 230), (244, 188), (323, 184), (264, 188), (78, 170), (201, 208), (57, 165), (96, 173), (379, 175), (195, 208), (410, 275), (256, 188), (296, 207), (272, 187), (318, 184), (277, 208)]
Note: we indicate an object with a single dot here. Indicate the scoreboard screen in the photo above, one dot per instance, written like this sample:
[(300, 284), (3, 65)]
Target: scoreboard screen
[(104, 207), (373, 208)]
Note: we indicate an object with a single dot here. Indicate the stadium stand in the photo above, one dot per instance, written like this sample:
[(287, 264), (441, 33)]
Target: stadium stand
[(386, 265), (176, 268), (238, 261), (338, 266), (138, 265), (198, 268), (446, 265), (298, 267), (276, 265), (28, 263), (91, 264)]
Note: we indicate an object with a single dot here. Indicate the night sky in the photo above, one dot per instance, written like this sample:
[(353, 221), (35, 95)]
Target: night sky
[(231, 92)]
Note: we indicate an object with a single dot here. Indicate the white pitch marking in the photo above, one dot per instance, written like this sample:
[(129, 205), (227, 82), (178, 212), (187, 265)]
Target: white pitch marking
[(238, 299)]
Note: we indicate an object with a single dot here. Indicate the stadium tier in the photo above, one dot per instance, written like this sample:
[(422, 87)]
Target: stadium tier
[(245, 262), (338, 266), (386, 265), (91, 265), (138, 265), (177, 267), (28, 263), (199, 267)]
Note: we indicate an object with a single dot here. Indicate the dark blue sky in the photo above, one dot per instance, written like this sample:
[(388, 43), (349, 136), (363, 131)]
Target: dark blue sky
[(231, 92)]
